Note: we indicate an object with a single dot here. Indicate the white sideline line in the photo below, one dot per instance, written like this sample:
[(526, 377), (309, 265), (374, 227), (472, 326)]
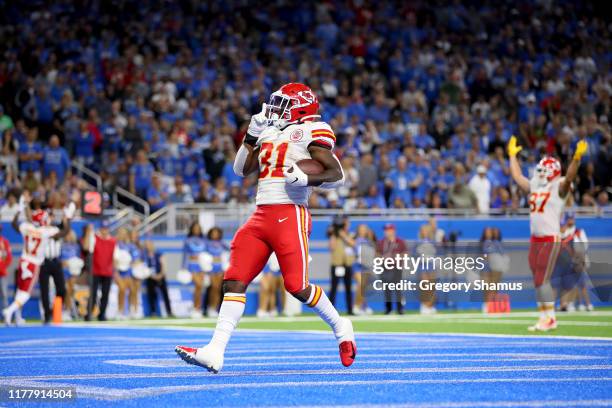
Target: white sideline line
[(352, 371), (525, 322), (68, 341), (386, 334), (406, 317), (102, 393)]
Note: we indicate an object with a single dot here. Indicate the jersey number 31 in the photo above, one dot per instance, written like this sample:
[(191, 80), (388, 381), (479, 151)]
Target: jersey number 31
[(266, 160)]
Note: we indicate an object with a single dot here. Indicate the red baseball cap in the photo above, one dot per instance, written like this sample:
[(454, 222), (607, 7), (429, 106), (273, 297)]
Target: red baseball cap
[(389, 226)]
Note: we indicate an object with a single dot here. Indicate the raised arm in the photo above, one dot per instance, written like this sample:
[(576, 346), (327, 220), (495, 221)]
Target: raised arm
[(24, 206), (246, 160), (572, 169), (515, 168)]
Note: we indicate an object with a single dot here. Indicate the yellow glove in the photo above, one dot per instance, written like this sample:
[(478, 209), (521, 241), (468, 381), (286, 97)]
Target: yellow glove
[(513, 148), (581, 149)]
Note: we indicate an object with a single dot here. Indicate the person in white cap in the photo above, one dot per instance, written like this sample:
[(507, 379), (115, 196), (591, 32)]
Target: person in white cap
[(481, 186)]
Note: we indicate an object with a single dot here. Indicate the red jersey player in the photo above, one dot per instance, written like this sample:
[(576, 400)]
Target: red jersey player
[(286, 131), (36, 234), (548, 193)]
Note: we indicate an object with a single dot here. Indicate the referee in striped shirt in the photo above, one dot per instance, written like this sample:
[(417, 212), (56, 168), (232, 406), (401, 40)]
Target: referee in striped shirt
[(52, 267)]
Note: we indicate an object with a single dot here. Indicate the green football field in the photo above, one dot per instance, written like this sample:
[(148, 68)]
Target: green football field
[(587, 324)]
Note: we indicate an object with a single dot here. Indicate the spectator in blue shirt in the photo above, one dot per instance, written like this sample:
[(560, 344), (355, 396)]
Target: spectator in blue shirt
[(420, 172), (375, 199), (443, 181), (157, 196), (399, 181), (460, 143), (193, 168), (167, 163), (140, 174), (55, 158), (380, 111), (530, 112), (181, 193), (44, 110), (422, 139), (30, 153), (84, 146)]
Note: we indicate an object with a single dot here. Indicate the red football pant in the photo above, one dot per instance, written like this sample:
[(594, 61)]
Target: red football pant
[(27, 274), (543, 252), (282, 228)]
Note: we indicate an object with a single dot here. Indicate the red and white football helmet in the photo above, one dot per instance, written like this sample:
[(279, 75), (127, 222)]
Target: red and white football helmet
[(548, 169), (292, 103), (40, 218)]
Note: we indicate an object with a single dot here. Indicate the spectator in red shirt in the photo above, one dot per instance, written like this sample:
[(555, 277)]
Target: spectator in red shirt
[(101, 247), (388, 247), (5, 261)]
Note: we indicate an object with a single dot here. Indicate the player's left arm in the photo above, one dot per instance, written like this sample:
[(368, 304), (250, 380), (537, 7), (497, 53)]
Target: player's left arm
[(572, 169), (332, 175)]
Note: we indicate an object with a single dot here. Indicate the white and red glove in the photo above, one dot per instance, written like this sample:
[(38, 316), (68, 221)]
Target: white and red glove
[(295, 176), (258, 123)]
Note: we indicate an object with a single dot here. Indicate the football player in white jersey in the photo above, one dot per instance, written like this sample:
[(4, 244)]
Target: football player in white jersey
[(286, 131), (36, 234), (548, 192)]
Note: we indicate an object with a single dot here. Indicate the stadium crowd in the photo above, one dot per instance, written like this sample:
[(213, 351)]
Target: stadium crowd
[(422, 96)]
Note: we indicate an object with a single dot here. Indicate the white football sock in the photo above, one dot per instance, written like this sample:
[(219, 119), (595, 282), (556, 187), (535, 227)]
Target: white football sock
[(320, 303), (542, 310), (230, 313), (549, 309), (12, 308), (21, 298)]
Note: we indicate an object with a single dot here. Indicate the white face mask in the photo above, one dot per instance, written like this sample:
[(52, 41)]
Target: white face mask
[(541, 176), (277, 111)]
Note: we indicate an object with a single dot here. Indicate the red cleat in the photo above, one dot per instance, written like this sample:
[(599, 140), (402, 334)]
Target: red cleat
[(348, 351)]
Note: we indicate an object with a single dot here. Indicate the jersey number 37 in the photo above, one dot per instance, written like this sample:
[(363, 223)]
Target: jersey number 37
[(537, 201)]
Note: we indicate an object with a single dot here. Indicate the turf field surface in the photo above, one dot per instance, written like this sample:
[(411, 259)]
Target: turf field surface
[(136, 366)]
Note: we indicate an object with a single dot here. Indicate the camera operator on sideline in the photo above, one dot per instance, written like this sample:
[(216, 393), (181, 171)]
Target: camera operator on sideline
[(341, 246)]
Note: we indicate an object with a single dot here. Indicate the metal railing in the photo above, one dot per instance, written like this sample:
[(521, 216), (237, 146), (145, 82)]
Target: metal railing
[(176, 218), (89, 176), (121, 218), (123, 198)]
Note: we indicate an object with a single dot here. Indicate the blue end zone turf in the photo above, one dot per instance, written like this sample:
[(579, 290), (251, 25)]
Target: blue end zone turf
[(138, 367)]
